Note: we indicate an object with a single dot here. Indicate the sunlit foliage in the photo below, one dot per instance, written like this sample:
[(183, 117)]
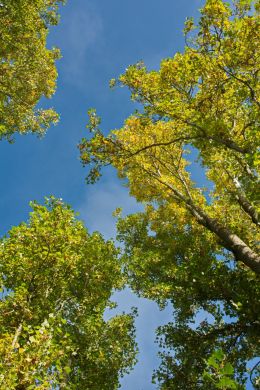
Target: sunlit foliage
[(27, 66), (195, 245), (56, 282)]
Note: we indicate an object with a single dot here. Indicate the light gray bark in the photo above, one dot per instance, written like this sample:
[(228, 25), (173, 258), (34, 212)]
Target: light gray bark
[(231, 241)]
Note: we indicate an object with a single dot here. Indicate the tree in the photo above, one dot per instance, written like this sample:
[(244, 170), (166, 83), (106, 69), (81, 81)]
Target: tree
[(196, 246), (27, 66), (56, 282)]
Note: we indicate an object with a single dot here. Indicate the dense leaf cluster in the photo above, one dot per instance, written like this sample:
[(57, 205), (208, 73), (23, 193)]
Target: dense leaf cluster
[(56, 282), (27, 66), (196, 247)]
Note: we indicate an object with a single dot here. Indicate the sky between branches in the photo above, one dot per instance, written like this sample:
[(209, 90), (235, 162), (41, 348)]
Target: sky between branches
[(98, 40)]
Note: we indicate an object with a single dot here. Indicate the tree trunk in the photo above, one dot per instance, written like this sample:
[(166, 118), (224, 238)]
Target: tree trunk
[(232, 242)]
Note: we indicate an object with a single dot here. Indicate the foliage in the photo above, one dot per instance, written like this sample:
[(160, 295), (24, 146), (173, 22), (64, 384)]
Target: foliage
[(56, 281), (27, 66), (219, 371), (195, 246), (215, 302)]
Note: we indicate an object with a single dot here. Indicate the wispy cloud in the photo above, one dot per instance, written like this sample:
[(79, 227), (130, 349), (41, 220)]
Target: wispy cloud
[(96, 210), (80, 33), (148, 320), (100, 202)]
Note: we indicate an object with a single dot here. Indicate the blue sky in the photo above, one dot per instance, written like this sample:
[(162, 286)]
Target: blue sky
[(98, 40)]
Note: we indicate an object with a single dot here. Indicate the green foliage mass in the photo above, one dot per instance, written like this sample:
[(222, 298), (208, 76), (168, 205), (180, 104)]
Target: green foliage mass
[(56, 282), (195, 246), (27, 66)]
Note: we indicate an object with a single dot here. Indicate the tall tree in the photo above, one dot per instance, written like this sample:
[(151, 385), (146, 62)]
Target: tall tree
[(196, 246), (27, 66), (56, 282)]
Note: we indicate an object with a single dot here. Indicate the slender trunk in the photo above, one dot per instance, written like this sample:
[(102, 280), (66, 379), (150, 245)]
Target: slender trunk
[(241, 198), (232, 242), (7, 360), (248, 208), (17, 335), (229, 240)]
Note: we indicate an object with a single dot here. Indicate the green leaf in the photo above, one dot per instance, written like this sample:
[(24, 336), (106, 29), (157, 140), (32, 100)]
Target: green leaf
[(228, 369), (226, 383)]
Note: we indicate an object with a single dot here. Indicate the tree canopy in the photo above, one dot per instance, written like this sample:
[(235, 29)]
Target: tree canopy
[(27, 66), (56, 282), (196, 246)]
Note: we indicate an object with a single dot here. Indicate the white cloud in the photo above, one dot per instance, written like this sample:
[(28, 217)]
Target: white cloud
[(100, 202), (81, 29), (148, 320), (96, 211)]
